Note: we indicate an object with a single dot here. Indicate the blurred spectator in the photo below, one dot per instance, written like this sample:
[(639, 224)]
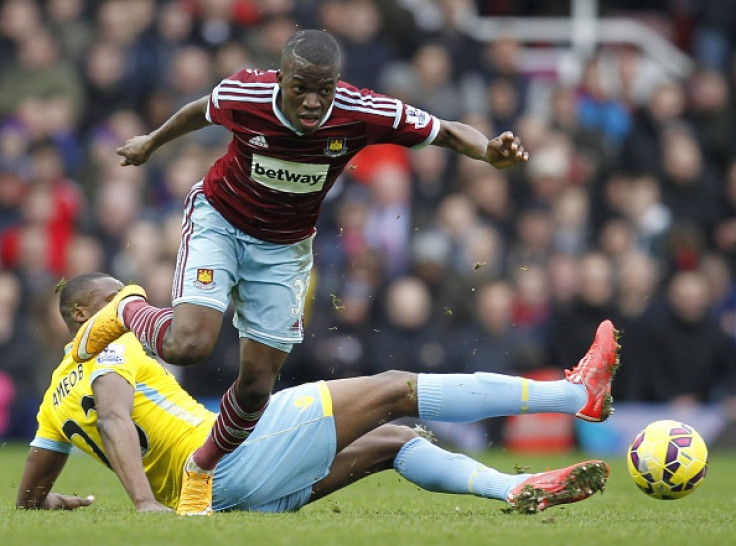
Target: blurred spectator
[(431, 172), (533, 241), (341, 336), (266, 42), (715, 28), (221, 21), (599, 109), (695, 361), (643, 148), (500, 66), (117, 206), (123, 23), (388, 225), (431, 262), (68, 21), (638, 306), (105, 83), (571, 218), (358, 24), (18, 368), (649, 217), (491, 342), (84, 254), (426, 82), (689, 188), (406, 335), (40, 72), (573, 326), (533, 303), (51, 209), (711, 111), (19, 19), (725, 230), (591, 148), (490, 192), (549, 171)]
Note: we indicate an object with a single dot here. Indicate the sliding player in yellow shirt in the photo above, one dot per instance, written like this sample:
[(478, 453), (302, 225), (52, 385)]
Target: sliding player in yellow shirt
[(124, 409)]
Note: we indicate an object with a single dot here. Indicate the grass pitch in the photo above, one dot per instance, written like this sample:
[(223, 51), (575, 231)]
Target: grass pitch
[(383, 509)]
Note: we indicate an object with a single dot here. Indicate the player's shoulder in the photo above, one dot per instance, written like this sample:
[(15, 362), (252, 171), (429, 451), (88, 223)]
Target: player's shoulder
[(246, 88), (251, 78), (124, 352), (365, 103)]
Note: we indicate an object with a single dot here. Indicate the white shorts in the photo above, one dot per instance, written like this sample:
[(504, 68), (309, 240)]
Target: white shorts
[(266, 282)]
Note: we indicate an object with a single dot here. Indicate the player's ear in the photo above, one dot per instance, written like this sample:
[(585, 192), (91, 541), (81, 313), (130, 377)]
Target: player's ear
[(80, 312)]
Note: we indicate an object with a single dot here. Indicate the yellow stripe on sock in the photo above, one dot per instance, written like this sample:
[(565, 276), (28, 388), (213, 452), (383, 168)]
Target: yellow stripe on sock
[(524, 395), (324, 394)]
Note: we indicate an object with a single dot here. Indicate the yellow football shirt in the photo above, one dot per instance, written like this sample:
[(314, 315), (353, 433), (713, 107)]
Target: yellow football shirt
[(170, 423)]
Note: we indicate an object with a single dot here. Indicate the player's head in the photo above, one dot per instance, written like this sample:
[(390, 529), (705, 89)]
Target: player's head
[(84, 295), (310, 69)]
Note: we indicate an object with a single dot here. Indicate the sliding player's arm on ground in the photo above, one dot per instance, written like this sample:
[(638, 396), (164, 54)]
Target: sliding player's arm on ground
[(42, 468), (114, 401)]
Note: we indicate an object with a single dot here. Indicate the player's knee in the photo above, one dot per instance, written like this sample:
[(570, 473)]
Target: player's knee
[(393, 438), (254, 392), (401, 434), (187, 350), (401, 383)]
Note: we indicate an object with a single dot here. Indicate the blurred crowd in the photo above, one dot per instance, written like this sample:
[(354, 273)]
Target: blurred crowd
[(424, 262)]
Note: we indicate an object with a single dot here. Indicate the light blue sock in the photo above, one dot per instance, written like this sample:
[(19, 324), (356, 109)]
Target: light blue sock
[(434, 469), (464, 398)]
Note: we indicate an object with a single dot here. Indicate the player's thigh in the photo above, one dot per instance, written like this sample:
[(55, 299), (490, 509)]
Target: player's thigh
[(207, 262), (361, 404), (194, 329), (270, 294)]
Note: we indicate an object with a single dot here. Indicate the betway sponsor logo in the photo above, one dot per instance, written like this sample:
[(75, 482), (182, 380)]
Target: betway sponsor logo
[(288, 176)]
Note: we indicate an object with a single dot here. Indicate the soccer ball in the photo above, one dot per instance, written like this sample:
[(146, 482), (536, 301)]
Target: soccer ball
[(668, 460)]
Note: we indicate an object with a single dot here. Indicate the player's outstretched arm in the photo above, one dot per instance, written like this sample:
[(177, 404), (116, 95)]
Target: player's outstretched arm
[(187, 119), (114, 399), (502, 151), (42, 468)]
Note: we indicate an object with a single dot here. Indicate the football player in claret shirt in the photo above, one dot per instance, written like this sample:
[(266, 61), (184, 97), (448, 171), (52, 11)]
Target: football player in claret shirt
[(248, 226)]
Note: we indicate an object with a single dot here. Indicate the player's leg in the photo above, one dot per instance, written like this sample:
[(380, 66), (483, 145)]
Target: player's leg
[(371, 453), (269, 305), (243, 404), (435, 469), (361, 404), (187, 333)]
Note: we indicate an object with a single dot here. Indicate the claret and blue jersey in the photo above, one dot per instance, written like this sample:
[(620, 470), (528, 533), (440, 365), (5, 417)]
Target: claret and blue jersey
[(271, 182)]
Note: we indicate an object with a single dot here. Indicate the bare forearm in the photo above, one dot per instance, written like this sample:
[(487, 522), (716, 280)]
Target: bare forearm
[(120, 440), (187, 119), (463, 139), (190, 117), (41, 470), (502, 151)]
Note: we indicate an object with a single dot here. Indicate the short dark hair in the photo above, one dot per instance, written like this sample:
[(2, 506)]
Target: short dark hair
[(74, 292), (314, 46)]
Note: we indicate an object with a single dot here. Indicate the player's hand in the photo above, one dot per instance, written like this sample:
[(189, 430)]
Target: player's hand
[(506, 150), (152, 506), (135, 151), (54, 501)]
